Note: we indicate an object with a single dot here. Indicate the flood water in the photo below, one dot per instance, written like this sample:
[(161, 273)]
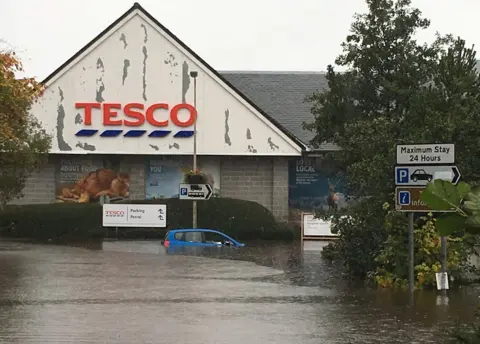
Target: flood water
[(133, 292)]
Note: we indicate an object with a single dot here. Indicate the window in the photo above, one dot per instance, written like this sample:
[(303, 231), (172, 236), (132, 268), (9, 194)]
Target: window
[(193, 237), (214, 238), (179, 236)]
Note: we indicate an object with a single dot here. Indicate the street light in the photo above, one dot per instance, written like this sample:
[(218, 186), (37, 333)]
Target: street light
[(194, 75)]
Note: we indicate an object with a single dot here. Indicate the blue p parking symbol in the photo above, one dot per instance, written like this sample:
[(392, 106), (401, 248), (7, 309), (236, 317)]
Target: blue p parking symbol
[(404, 198), (183, 191), (402, 175)]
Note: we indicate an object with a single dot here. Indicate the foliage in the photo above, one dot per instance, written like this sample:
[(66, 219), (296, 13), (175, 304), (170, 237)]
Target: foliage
[(196, 176), (23, 142), (394, 91), (239, 218), (460, 198), (361, 236), (462, 334), (393, 259)]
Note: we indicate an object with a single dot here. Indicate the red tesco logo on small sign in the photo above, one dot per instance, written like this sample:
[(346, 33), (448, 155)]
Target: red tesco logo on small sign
[(136, 114), (115, 212)]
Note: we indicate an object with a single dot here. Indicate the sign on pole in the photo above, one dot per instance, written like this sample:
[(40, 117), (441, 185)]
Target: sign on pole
[(426, 154), (422, 175), (134, 215), (407, 199), (415, 179), (196, 192)]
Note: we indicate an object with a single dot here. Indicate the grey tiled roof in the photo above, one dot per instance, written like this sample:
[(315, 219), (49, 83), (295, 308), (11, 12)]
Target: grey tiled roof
[(282, 96)]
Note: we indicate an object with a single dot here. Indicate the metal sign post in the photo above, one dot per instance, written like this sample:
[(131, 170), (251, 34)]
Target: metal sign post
[(425, 163), (194, 75)]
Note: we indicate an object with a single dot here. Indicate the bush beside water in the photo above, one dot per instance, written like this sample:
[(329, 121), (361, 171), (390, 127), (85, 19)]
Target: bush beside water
[(244, 220)]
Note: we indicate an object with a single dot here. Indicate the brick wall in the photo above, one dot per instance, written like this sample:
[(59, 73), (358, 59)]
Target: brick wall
[(40, 187), (260, 179)]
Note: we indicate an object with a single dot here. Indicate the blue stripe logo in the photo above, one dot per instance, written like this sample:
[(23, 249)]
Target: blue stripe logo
[(134, 133)]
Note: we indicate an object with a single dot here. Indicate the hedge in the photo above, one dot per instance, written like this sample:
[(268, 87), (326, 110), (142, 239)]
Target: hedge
[(244, 220)]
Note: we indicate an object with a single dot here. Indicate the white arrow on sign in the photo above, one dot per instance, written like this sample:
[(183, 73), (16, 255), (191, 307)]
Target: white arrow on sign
[(195, 191), (422, 175)]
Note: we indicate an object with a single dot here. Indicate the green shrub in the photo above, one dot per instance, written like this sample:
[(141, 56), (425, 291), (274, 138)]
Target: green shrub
[(244, 220)]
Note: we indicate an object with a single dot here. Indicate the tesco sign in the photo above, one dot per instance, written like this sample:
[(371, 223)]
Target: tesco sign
[(136, 114), (115, 213)]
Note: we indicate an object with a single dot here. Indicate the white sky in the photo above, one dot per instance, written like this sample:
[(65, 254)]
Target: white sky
[(294, 35)]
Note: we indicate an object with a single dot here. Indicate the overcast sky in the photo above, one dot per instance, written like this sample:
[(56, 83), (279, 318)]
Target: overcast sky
[(286, 35)]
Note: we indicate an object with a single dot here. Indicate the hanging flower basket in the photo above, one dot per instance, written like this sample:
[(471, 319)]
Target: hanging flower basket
[(194, 177)]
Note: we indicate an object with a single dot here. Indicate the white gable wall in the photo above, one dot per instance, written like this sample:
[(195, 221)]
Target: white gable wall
[(138, 63)]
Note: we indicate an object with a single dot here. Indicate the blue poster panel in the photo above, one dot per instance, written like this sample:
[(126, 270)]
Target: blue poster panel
[(312, 186)]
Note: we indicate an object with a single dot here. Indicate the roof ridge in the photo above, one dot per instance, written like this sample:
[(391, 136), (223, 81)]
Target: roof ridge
[(270, 72)]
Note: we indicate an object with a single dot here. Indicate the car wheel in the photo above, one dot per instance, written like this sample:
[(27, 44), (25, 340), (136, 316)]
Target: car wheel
[(414, 179)]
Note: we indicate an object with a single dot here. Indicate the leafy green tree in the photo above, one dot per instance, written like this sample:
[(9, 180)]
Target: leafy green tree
[(395, 90), (23, 142)]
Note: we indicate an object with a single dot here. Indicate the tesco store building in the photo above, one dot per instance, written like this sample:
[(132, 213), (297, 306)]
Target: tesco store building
[(125, 103)]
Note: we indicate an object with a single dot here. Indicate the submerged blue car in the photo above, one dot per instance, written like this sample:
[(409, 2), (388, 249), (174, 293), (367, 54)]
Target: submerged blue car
[(198, 238)]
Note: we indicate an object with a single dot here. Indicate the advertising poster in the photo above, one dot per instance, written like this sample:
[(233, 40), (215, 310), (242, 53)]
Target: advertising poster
[(84, 181), (163, 177), (310, 187)]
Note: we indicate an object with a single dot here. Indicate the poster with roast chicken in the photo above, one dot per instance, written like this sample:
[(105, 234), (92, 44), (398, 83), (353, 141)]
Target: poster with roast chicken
[(85, 181)]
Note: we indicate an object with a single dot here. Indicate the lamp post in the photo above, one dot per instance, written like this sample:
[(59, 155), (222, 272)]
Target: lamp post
[(194, 75)]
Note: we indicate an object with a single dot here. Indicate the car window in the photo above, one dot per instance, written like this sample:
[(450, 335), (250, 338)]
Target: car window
[(211, 237), (179, 236), (193, 237)]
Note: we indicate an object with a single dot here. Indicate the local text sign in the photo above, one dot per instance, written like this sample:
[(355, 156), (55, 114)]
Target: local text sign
[(425, 154), (195, 191), (408, 199), (134, 215), (422, 175)]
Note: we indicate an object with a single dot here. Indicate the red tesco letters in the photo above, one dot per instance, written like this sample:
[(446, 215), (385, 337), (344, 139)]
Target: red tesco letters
[(115, 212), (137, 113)]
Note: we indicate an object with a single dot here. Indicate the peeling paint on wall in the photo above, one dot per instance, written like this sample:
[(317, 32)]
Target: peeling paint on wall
[(124, 40), (170, 60), (85, 146), (175, 145), (100, 84), (185, 81), (145, 39), (145, 57), (273, 146), (154, 147), (62, 145), (144, 82), (227, 128), (126, 64), (251, 149), (249, 134), (78, 119)]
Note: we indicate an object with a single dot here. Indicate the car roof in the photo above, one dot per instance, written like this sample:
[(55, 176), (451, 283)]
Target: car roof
[(195, 230)]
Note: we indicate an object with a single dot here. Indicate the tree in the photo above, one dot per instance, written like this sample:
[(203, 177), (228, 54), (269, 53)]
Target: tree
[(394, 91), (23, 142)]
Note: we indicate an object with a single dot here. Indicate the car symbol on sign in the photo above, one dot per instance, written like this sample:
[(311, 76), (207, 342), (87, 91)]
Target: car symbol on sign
[(421, 175)]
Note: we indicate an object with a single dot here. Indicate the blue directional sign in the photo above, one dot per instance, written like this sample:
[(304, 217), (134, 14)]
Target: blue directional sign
[(196, 192), (423, 175)]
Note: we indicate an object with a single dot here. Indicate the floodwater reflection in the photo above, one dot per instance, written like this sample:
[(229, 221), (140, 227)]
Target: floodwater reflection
[(134, 292)]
